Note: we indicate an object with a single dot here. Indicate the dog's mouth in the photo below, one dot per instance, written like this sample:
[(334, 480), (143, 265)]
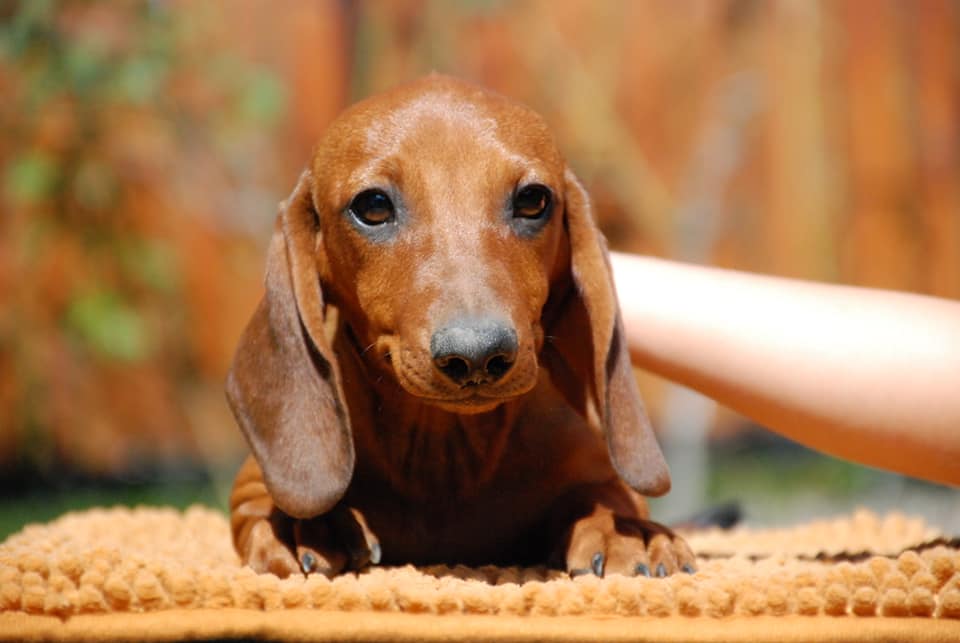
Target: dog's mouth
[(471, 397), (469, 402)]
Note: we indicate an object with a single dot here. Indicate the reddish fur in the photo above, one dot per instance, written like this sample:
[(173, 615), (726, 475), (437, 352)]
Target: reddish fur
[(358, 441)]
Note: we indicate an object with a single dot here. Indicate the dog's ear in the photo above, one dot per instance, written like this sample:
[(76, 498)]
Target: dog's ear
[(284, 384), (595, 376)]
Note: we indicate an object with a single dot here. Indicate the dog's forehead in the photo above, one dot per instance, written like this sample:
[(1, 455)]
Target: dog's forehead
[(441, 119)]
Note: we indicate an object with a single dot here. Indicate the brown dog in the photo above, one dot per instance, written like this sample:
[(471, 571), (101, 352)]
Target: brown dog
[(437, 372)]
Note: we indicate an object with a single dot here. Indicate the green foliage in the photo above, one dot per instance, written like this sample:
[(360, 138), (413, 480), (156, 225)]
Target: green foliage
[(139, 80), (103, 322), (76, 181), (149, 263), (262, 99), (107, 109), (30, 178)]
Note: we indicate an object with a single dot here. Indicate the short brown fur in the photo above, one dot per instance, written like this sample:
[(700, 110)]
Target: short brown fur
[(363, 451)]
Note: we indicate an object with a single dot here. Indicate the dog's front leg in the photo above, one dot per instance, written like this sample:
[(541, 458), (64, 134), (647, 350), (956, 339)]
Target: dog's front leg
[(271, 541), (605, 529)]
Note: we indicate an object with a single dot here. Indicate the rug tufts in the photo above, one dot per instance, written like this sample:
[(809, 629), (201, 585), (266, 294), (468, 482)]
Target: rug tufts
[(155, 559)]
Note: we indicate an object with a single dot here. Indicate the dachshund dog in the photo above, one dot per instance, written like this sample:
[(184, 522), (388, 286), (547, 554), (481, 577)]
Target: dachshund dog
[(437, 372)]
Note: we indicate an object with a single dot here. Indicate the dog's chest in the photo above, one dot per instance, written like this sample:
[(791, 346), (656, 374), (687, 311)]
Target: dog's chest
[(451, 505), (494, 526)]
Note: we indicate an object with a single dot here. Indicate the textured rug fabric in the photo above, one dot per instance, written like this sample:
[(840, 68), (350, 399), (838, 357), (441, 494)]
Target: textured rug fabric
[(158, 574)]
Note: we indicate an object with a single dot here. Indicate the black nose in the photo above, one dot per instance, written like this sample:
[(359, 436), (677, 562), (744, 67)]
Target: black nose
[(474, 351)]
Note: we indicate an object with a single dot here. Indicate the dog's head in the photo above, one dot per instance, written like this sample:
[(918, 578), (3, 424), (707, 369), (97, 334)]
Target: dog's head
[(461, 253)]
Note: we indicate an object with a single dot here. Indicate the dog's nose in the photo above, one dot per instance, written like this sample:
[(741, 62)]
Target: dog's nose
[(474, 351)]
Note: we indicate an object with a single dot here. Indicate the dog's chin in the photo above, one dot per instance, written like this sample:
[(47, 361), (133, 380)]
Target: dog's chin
[(468, 406)]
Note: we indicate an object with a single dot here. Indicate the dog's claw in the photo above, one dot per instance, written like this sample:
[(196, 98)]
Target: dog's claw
[(308, 562), (642, 570), (597, 563), (661, 571), (690, 569)]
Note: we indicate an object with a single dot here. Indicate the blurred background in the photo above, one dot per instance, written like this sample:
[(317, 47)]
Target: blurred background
[(144, 147)]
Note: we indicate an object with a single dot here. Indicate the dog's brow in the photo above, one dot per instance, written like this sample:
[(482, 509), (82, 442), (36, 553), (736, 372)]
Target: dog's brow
[(385, 136)]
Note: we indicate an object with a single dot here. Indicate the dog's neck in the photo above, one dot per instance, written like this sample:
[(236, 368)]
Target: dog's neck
[(417, 447)]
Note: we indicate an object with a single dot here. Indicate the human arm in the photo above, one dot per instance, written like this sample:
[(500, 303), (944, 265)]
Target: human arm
[(868, 375)]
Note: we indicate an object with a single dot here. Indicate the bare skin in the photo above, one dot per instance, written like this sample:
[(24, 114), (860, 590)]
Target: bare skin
[(872, 376)]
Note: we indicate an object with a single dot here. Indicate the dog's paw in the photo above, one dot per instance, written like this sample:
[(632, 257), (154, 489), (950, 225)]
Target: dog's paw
[(328, 545), (604, 543)]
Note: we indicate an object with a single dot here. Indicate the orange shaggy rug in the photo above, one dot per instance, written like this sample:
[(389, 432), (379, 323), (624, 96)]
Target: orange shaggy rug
[(160, 575)]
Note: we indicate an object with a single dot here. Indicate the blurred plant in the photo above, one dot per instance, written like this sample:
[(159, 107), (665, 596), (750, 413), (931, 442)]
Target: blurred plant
[(111, 114)]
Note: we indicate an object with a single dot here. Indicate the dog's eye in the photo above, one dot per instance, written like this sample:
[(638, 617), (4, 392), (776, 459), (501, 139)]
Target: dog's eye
[(372, 207), (531, 202)]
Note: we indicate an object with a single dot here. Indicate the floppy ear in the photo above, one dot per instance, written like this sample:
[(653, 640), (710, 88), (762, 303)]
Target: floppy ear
[(595, 376), (284, 384)]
